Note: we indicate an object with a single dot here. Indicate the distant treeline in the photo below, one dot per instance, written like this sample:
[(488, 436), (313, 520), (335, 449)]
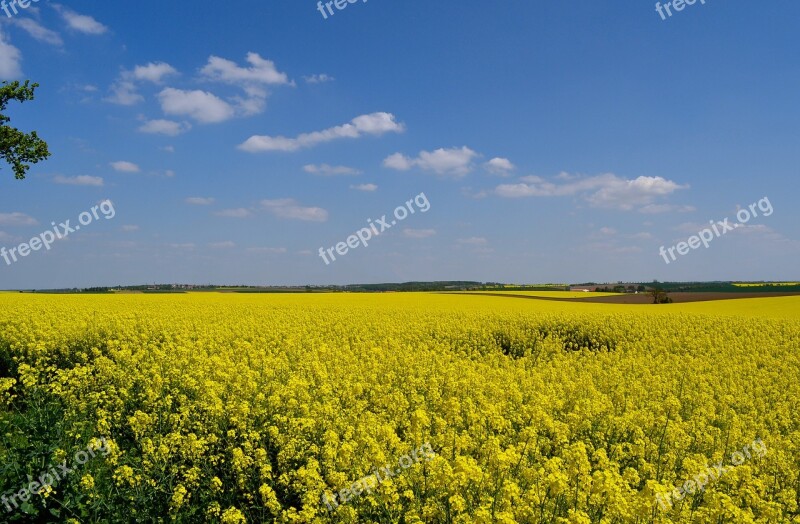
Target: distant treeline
[(457, 285)]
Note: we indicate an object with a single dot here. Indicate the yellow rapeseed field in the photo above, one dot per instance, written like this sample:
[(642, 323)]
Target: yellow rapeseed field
[(239, 408)]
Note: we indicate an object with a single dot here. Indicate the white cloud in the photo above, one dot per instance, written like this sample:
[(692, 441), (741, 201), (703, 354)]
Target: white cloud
[(187, 245), (124, 93), (164, 127), (81, 23), (130, 228), (252, 80), (499, 166), (261, 71), (10, 59), (654, 209), (374, 124), (199, 201), (125, 167), (38, 31), (455, 162), (288, 208), (327, 170), (604, 191), (365, 187), (398, 161), (418, 233), (318, 79), (239, 212), (82, 180), (167, 149), (153, 72), (627, 194), (17, 219), (202, 106), (608, 231)]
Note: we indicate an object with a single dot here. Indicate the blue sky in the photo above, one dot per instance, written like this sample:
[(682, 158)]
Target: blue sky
[(554, 141)]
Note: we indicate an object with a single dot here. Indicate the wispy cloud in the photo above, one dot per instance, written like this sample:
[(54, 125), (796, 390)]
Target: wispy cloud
[(81, 23), (125, 167), (369, 188), (17, 219), (289, 209), (327, 170), (607, 191), (81, 180), (318, 79), (419, 233), (164, 127), (38, 31), (374, 124)]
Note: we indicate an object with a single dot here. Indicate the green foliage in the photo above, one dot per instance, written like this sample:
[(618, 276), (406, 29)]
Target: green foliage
[(18, 148)]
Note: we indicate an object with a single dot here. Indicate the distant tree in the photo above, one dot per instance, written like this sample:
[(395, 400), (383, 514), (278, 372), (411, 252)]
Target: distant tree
[(640, 289), (660, 296), (17, 148)]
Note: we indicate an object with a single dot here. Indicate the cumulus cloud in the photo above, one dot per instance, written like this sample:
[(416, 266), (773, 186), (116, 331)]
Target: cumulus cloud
[(327, 170), (289, 209), (82, 180), (164, 127), (10, 59), (418, 233), (261, 71), (499, 166), (153, 72), (200, 201), (202, 106), (455, 162), (82, 23), (260, 74), (125, 167), (125, 90), (374, 124), (607, 191), (365, 187), (17, 219)]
